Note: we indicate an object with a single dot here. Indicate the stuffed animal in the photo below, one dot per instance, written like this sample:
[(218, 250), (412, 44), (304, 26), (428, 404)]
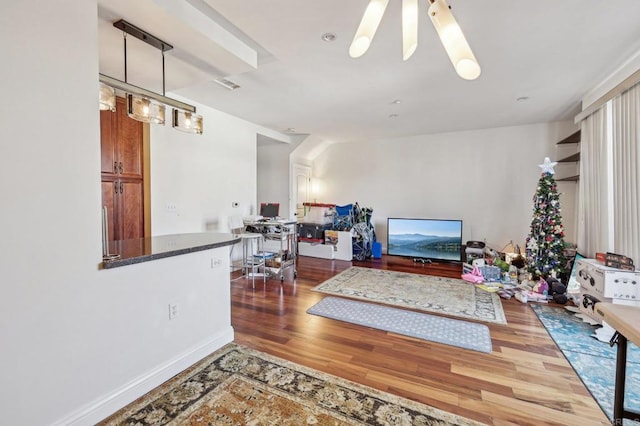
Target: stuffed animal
[(557, 290)]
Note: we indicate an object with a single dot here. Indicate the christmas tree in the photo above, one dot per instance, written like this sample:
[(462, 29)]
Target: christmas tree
[(545, 243)]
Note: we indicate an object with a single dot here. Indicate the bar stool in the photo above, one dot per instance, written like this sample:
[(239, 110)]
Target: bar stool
[(251, 264)]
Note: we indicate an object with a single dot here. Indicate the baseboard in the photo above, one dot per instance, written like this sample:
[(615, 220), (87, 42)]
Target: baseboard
[(103, 407)]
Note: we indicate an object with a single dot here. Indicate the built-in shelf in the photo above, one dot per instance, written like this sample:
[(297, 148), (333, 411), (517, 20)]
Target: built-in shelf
[(569, 179), (571, 159), (573, 138)]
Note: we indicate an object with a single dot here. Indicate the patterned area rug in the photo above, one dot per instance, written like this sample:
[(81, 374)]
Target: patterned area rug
[(448, 296), (239, 386), (594, 361), (449, 331)]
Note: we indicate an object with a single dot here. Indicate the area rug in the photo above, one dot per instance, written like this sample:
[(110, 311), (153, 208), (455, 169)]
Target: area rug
[(463, 334), (594, 361), (240, 386), (448, 296)]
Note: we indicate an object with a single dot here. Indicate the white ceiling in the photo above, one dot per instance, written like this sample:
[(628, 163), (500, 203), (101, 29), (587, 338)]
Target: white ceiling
[(551, 52)]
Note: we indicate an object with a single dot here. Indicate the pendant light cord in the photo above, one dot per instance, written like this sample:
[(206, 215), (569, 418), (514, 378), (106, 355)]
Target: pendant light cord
[(124, 36)]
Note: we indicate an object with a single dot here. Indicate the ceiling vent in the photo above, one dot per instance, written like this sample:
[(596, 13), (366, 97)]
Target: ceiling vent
[(224, 82)]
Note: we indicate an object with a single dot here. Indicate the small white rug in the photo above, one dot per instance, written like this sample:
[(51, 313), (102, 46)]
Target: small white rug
[(447, 296), (448, 331)]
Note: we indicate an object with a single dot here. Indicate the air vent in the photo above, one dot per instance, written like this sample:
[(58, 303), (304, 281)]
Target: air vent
[(227, 83)]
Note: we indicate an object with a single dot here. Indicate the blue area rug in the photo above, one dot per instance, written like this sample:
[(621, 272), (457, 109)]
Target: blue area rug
[(448, 331), (594, 361)]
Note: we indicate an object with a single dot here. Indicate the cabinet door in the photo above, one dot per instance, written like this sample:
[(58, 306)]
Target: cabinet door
[(132, 209), (109, 200), (129, 135), (108, 131)]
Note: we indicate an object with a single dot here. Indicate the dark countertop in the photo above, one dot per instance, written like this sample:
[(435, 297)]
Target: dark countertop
[(145, 249)]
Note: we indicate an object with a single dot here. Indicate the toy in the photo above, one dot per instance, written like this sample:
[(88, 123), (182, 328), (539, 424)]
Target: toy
[(475, 276)]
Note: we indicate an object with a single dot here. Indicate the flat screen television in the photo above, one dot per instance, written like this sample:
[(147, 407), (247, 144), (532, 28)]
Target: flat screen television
[(433, 239)]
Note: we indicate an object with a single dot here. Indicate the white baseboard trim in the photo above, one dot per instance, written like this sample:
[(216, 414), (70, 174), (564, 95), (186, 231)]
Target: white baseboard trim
[(92, 413)]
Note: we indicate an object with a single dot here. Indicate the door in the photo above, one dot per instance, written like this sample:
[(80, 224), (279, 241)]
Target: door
[(301, 189)]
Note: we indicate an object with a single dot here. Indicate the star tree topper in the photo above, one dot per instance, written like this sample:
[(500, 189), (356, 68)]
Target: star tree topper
[(547, 166)]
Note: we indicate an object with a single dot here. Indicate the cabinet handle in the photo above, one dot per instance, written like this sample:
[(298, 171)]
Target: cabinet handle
[(115, 167), (121, 187), (115, 186), (120, 167)]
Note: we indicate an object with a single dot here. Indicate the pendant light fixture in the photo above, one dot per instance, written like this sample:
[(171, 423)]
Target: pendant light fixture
[(145, 109), (187, 122), (145, 105), (107, 98), (451, 36)]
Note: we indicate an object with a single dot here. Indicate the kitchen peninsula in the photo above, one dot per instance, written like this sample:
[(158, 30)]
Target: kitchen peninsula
[(140, 250)]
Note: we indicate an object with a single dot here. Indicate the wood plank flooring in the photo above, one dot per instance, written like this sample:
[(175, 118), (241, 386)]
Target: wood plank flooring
[(525, 381)]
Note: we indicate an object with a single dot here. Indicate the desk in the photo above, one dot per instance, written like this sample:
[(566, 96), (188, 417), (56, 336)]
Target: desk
[(626, 321)]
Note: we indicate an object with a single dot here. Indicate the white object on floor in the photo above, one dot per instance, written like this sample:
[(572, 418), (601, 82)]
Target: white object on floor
[(605, 333)]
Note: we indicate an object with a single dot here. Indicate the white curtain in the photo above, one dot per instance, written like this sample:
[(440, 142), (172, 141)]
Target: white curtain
[(626, 176), (593, 218)]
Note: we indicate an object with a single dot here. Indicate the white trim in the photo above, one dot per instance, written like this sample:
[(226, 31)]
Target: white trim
[(106, 405)]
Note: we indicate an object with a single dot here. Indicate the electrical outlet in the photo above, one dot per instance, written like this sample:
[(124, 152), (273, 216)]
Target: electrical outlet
[(173, 310), (216, 263), (172, 208)]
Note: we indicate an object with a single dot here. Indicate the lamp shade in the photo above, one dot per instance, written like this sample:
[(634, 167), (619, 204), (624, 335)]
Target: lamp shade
[(453, 40), (187, 121), (144, 109), (367, 28), (409, 28), (107, 98)]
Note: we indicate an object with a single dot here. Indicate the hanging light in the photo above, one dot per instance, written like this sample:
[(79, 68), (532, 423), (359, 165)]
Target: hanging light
[(187, 122), (453, 40), (145, 109), (145, 105), (107, 98), (409, 28), (368, 27)]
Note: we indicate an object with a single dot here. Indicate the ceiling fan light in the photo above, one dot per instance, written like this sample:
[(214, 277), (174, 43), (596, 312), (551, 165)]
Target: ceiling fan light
[(107, 98), (144, 109), (409, 28), (453, 40), (187, 122), (368, 27)]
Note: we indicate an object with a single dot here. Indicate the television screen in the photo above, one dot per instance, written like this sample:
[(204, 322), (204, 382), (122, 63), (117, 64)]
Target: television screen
[(433, 239), (573, 286), (269, 209)]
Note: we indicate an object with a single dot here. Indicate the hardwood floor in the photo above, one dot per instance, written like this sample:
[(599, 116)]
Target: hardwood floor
[(525, 381)]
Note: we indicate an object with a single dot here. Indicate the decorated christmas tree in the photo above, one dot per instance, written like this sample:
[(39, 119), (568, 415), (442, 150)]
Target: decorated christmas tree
[(545, 243)]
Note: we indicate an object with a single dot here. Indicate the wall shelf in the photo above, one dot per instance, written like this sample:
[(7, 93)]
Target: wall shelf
[(571, 159), (573, 138), (569, 179)]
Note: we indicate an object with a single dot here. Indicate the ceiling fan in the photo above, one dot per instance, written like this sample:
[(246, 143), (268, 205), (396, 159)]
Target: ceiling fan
[(450, 33)]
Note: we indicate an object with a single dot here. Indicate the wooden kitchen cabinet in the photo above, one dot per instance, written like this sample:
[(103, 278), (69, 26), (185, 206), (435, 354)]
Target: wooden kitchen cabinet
[(122, 173)]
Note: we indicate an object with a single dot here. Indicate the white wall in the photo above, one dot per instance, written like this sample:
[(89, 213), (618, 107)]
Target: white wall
[(273, 175), (202, 175), (487, 178), (74, 336)]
